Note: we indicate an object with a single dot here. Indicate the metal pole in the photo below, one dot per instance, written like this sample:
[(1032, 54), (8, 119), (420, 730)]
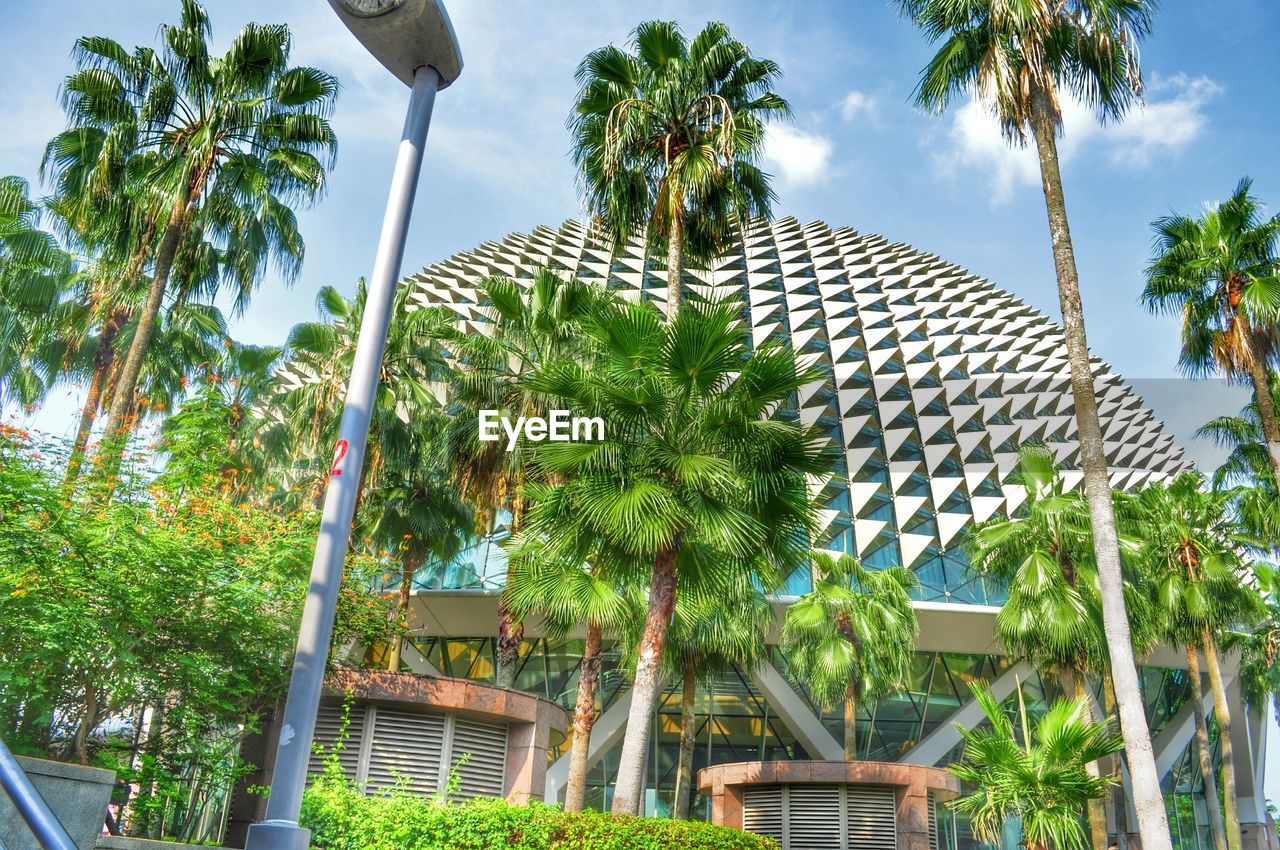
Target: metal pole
[(27, 800), (280, 830)]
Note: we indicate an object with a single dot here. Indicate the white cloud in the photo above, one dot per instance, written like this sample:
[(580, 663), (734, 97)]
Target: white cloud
[(798, 157), (1172, 118), (855, 102)]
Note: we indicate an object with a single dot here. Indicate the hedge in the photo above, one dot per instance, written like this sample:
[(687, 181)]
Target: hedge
[(341, 818)]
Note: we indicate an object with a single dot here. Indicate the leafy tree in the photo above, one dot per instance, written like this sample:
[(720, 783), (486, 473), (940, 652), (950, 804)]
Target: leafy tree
[(694, 474), (1039, 776), (666, 137), (213, 139), (1219, 273), (531, 326), (852, 637), (1193, 550), (1260, 657), (1020, 59)]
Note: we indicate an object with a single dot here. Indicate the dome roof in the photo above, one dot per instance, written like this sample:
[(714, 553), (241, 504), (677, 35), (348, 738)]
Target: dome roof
[(934, 375)]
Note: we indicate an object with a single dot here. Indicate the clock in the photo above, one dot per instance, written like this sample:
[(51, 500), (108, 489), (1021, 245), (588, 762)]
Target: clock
[(369, 8)]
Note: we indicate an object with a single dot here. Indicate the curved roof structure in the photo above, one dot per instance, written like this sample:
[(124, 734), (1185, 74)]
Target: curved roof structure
[(934, 375)]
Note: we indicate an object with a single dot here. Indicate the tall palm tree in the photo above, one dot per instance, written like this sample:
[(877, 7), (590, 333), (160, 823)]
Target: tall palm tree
[(716, 629), (1021, 57), (1193, 550), (852, 637), (1260, 661), (203, 128), (666, 137), (1037, 775), (1219, 273), (693, 475), (531, 326), (570, 592)]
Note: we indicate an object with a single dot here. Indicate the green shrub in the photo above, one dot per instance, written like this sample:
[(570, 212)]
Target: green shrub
[(341, 818)]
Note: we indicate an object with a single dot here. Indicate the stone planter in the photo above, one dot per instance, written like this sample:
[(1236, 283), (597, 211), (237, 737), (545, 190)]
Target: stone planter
[(77, 795)]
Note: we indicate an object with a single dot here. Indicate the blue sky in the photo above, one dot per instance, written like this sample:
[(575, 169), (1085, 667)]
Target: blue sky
[(857, 153)]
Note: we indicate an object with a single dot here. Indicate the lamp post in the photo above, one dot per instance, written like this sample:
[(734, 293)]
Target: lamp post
[(415, 41)]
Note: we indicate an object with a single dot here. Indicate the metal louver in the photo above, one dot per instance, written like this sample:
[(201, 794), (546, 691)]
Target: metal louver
[(825, 817), (390, 747), (328, 726), (405, 751), (933, 822), (484, 746), (813, 817), (762, 811), (871, 817)]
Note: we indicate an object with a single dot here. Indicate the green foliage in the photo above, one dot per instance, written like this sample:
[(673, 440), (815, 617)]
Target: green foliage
[(183, 596), (341, 818), (1037, 774)]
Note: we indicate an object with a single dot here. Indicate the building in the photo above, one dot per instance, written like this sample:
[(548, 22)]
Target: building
[(935, 377)]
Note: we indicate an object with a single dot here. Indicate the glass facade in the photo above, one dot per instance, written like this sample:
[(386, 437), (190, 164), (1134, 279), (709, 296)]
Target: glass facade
[(735, 721)]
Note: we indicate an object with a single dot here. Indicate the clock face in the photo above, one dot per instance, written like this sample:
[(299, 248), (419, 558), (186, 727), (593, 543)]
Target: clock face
[(370, 8)]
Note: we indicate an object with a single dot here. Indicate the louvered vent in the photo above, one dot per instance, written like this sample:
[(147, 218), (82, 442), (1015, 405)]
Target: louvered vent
[(762, 810), (814, 817), (485, 745), (328, 725), (406, 751), (933, 822), (870, 813)]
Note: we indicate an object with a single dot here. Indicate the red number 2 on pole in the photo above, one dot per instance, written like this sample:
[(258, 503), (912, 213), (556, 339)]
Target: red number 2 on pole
[(339, 452)]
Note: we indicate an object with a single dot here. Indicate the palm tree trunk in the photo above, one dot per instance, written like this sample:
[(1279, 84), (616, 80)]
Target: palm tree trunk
[(675, 267), (1222, 713), (628, 791), (851, 723), (1073, 683), (688, 726), (407, 569), (102, 359), (584, 717), (510, 628), (1216, 826), (1153, 823), (1266, 406), (1119, 800), (118, 424)]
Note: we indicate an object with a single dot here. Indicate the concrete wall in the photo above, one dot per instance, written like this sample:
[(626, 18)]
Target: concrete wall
[(77, 795)]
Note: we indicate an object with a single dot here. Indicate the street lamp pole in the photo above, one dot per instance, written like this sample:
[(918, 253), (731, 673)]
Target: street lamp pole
[(280, 830)]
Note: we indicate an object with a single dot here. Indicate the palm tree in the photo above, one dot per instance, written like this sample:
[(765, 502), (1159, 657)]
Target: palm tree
[(531, 325), (36, 277), (570, 592), (1260, 661), (852, 637), (1044, 556), (1247, 469), (1219, 273), (202, 129), (414, 510), (666, 138), (715, 629), (300, 418), (694, 475), (1193, 550), (1021, 58), (1039, 776)]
